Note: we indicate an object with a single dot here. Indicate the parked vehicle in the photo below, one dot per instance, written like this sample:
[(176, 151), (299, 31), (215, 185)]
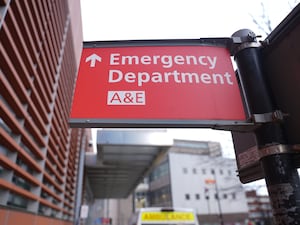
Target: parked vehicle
[(166, 216)]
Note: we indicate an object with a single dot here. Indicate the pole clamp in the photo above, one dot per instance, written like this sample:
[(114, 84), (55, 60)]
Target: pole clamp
[(270, 117), (245, 39), (274, 149)]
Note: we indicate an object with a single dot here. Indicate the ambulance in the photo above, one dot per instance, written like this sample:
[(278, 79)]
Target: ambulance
[(166, 216)]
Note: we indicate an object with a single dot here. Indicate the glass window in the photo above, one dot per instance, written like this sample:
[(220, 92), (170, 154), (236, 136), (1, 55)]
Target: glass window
[(229, 172), (24, 166), (197, 196), (54, 213), (160, 171), (17, 201), (203, 171), (233, 196), (23, 146), (160, 196), (42, 209), (216, 196), (194, 171), (20, 182), (187, 196), (185, 170), (55, 201)]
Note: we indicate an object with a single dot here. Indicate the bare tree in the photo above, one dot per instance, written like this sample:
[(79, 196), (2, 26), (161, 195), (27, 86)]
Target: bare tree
[(264, 21)]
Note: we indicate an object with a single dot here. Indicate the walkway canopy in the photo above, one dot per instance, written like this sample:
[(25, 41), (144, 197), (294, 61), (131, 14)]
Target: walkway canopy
[(123, 158)]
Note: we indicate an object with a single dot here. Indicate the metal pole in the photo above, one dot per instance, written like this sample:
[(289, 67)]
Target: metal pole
[(218, 199), (207, 199), (276, 158)]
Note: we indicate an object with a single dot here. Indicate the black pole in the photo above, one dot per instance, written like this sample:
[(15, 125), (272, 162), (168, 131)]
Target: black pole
[(281, 174), (218, 199)]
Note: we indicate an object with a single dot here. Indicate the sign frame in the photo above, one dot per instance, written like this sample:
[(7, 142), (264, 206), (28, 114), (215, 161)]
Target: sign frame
[(244, 124)]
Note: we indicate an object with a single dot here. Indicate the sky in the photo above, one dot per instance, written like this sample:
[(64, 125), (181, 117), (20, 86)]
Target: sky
[(164, 19), (179, 19)]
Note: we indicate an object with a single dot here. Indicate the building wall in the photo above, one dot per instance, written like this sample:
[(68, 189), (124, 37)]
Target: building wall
[(39, 153), (260, 209), (160, 193), (195, 175), (208, 185), (192, 179)]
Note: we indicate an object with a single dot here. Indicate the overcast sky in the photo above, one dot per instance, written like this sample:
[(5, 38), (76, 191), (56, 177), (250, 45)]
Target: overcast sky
[(163, 19)]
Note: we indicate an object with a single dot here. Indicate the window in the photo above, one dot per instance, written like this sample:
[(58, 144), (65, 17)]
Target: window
[(20, 182), (225, 196), (185, 170), (194, 171), (17, 201), (197, 196), (203, 171), (160, 171), (221, 171), (216, 196), (42, 209), (44, 195), (233, 196), (160, 196), (212, 171), (229, 173), (24, 166), (187, 196)]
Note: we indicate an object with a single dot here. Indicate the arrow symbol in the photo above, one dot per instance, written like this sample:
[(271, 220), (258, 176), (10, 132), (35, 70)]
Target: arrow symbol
[(93, 58)]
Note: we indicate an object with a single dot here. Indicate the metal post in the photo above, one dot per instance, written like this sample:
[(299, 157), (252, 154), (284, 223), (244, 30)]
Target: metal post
[(207, 199), (218, 199), (276, 158)]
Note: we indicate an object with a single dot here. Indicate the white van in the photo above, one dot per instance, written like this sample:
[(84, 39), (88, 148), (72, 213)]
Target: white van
[(166, 216)]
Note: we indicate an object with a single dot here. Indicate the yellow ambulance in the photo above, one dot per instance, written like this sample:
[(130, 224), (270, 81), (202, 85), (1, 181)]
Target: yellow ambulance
[(167, 216)]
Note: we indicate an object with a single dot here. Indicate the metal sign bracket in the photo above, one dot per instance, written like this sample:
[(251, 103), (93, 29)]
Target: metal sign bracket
[(270, 117)]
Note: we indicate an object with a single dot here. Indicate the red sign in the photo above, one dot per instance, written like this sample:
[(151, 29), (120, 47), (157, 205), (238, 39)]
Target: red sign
[(162, 85)]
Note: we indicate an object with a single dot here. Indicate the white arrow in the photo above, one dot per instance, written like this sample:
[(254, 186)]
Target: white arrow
[(93, 58)]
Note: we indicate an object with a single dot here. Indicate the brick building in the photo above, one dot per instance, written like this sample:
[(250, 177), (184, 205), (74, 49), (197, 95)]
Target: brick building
[(40, 156)]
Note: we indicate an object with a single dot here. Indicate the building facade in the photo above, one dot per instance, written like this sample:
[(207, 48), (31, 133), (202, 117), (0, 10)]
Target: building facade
[(195, 175), (260, 210), (40, 156)]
